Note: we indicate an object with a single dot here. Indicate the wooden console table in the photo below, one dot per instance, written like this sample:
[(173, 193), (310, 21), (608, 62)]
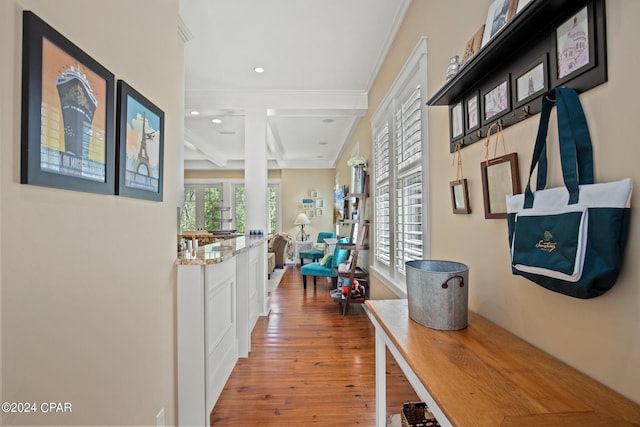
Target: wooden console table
[(486, 376)]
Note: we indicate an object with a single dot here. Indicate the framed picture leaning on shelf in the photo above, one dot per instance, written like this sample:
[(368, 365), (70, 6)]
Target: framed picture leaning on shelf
[(499, 14), (473, 46)]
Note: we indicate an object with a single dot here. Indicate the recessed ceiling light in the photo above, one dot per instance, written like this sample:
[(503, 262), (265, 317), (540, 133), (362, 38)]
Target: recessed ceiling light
[(323, 143), (195, 113), (258, 70), (216, 121), (319, 157), (328, 121)]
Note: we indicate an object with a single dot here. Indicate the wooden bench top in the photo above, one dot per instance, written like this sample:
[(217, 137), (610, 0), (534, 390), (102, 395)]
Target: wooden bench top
[(486, 376)]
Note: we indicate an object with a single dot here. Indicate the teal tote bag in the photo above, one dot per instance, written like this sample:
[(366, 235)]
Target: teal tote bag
[(569, 239)]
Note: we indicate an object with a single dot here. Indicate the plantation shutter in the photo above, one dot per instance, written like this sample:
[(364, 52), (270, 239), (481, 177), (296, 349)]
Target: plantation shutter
[(382, 211), (408, 144)]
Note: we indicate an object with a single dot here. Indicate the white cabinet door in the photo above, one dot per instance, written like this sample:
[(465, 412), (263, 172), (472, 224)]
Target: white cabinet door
[(221, 343), (207, 337)]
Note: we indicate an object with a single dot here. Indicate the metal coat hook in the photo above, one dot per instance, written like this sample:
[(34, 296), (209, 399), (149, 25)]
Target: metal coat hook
[(497, 124), (526, 112)]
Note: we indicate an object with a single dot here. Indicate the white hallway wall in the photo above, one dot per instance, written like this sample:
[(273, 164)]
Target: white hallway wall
[(88, 281)]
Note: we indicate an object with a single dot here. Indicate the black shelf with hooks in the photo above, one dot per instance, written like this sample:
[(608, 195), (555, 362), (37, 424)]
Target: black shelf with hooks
[(529, 38)]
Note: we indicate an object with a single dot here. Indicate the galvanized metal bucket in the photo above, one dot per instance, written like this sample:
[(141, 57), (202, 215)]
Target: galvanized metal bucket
[(438, 293)]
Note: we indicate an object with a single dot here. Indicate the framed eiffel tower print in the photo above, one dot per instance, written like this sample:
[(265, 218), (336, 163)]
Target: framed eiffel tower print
[(67, 113), (140, 145)]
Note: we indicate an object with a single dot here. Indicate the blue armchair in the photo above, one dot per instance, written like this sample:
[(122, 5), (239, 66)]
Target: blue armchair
[(329, 268), (316, 253)]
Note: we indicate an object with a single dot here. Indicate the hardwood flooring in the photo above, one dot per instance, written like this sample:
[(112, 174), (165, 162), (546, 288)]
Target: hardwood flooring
[(308, 365)]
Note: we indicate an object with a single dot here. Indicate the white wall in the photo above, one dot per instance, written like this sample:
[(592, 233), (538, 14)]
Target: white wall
[(88, 281), (600, 337)]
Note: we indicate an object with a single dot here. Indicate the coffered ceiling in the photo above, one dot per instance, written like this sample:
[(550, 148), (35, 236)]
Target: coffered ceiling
[(319, 57)]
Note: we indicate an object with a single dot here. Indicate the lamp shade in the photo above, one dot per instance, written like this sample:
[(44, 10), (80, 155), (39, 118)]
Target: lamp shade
[(302, 219)]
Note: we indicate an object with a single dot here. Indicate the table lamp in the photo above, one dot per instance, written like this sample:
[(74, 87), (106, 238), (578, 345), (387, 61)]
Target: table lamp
[(302, 220)]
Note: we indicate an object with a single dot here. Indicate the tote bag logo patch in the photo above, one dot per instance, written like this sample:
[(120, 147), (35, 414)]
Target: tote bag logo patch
[(546, 244), (560, 251)]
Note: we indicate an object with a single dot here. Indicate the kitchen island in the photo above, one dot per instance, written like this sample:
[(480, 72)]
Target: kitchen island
[(222, 291)]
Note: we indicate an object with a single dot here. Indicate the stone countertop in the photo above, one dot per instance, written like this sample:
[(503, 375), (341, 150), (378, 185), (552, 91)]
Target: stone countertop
[(204, 233), (205, 237), (219, 251)]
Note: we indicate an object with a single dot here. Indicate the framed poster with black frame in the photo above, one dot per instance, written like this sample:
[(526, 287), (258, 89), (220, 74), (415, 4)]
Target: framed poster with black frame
[(578, 57), (574, 50), (67, 136), (456, 122), (495, 100), (140, 148), (531, 82)]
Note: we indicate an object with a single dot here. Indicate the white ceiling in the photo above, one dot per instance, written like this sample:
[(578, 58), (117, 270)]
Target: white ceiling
[(320, 59)]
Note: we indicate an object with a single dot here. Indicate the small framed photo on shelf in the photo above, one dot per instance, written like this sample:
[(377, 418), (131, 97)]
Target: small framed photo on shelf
[(319, 212), (531, 82), (140, 147), (575, 45), (68, 138), (456, 121), (473, 46), (495, 101), (319, 203), (522, 4), (472, 113), (499, 14), (460, 196), (500, 178)]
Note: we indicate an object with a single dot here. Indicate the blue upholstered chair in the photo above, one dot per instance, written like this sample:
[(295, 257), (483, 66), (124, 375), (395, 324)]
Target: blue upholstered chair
[(316, 253), (329, 269)]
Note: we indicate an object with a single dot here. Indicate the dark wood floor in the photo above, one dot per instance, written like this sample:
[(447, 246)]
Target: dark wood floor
[(308, 365)]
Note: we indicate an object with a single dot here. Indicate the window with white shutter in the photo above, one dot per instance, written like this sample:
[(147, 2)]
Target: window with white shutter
[(408, 219), (408, 124), (408, 224), (399, 150), (382, 211)]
